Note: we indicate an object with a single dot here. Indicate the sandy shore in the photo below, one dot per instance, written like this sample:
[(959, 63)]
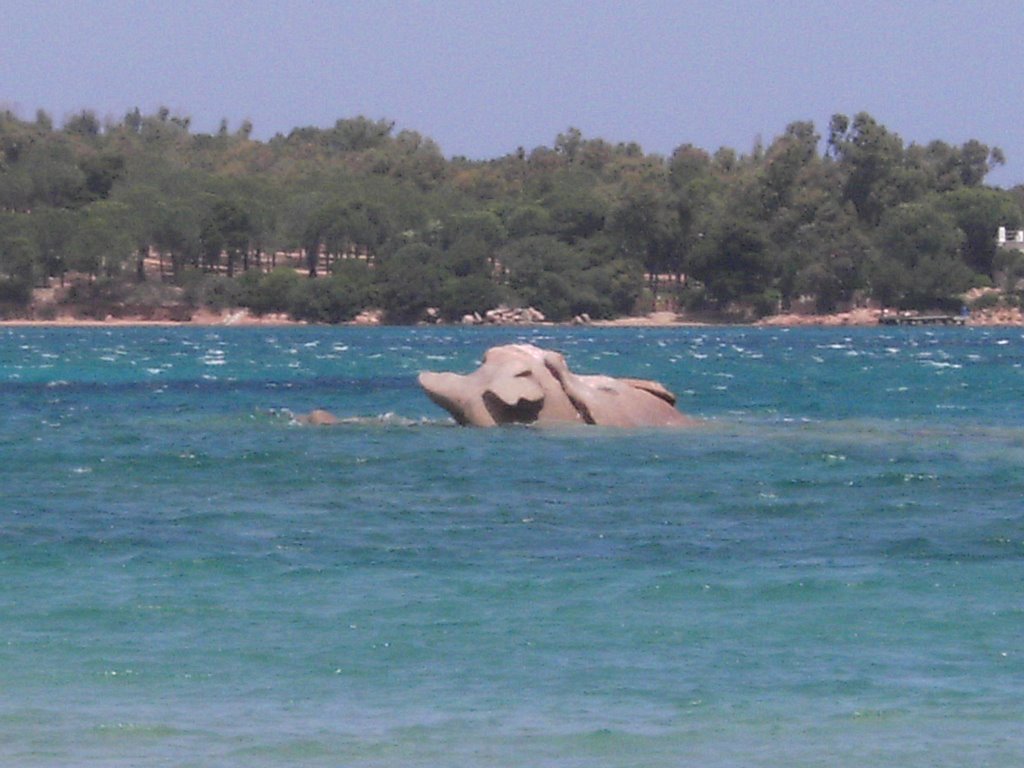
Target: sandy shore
[(866, 317), (858, 317), (201, 317)]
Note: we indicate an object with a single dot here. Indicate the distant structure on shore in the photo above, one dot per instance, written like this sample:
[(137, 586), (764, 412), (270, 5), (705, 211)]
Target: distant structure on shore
[(1012, 239)]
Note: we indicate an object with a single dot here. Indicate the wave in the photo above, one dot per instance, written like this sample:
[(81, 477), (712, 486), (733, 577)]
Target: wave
[(388, 419)]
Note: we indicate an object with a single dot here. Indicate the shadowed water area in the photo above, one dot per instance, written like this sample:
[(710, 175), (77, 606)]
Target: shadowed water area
[(828, 571)]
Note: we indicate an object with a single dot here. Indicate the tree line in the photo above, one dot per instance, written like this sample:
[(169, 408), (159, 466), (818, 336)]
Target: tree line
[(325, 222)]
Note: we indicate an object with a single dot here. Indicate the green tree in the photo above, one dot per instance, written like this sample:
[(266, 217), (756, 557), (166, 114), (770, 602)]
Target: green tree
[(359, 134), (102, 243), (614, 283), (178, 234), (85, 123), (145, 209), (528, 220), (37, 167), (975, 160), (575, 210), (784, 162), (484, 226), (922, 267), (979, 212), (736, 261), (18, 260), (646, 229), (227, 228), (343, 228), (827, 260), (1008, 270), (560, 280), (100, 173), (871, 159), (410, 281), (697, 195), (468, 255), (54, 231)]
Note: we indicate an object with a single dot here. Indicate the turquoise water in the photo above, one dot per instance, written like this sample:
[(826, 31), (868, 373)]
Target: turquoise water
[(828, 572)]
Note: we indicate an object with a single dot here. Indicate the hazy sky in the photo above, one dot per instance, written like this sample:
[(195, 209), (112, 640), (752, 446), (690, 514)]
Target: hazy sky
[(482, 78)]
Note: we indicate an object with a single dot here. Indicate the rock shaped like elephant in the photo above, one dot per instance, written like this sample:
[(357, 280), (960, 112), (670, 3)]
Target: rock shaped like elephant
[(524, 384)]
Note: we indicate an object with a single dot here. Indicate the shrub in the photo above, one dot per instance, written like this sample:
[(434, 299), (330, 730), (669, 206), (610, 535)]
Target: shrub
[(348, 291), (766, 303), (465, 295), (987, 300), (218, 292), (271, 292)]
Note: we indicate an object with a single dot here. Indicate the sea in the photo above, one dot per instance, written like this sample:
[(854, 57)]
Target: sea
[(827, 571)]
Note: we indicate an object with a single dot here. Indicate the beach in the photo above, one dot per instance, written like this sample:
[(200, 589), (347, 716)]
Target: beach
[(242, 317)]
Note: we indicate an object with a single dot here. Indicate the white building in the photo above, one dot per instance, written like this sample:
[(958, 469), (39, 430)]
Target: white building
[(1012, 239)]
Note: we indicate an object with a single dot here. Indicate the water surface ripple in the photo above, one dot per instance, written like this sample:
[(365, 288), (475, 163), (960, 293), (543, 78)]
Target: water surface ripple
[(827, 572)]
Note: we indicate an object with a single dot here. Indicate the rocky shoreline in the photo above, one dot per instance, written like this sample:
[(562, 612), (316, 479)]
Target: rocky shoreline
[(1001, 316)]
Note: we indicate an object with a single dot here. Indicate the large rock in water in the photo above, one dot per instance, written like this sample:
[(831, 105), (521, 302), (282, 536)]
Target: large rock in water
[(524, 384)]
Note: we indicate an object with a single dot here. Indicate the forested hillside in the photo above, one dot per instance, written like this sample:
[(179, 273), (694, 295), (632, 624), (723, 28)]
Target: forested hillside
[(322, 223)]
